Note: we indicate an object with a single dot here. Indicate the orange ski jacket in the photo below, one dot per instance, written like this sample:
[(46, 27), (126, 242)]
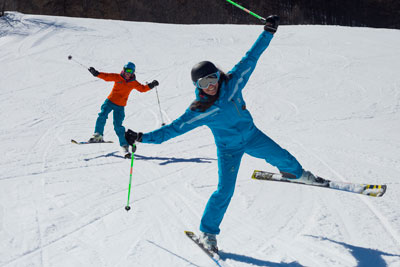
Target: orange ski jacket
[(122, 88)]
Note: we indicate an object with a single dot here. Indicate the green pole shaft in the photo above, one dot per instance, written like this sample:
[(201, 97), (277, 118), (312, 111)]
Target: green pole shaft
[(130, 177), (246, 10)]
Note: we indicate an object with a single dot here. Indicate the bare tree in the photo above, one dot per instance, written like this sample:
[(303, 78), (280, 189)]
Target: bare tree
[(3, 8)]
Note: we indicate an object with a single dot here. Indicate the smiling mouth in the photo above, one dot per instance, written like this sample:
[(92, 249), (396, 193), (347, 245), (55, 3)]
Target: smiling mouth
[(211, 92), (212, 88)]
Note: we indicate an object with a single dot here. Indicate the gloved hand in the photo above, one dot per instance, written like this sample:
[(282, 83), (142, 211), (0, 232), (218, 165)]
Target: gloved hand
[(132, 136), (153, 84), (271, 23), (93, 71)]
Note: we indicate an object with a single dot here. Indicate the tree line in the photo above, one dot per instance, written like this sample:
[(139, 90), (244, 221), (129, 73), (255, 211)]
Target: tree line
[(364, 13)]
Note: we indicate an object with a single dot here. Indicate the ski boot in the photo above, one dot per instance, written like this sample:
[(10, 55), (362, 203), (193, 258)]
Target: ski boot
[(125, 152), (96, 138), (209, 241)]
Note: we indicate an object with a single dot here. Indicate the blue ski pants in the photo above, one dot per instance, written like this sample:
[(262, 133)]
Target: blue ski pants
[(118, 116), (260, 146)]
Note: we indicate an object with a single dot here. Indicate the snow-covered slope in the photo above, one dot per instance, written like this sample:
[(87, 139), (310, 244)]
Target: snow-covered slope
[(330, 95)]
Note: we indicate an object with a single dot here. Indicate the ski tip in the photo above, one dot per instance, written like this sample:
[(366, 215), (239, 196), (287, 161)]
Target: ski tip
[(383, 191), (254, 174), (375, 190), (73, 141)]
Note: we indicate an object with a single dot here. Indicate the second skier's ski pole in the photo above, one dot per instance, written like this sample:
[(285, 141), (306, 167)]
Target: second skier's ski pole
[(127, 207), (246, 10), (77, 62), (159, 106)]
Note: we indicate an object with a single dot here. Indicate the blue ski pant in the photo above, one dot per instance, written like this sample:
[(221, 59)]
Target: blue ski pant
[(260, 146), (118, 116)]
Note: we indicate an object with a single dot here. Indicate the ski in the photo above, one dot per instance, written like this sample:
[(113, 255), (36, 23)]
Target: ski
[(86, 142), (363, 189), (212, 254)]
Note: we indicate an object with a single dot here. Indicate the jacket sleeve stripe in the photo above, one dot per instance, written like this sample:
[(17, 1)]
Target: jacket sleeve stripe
[(199, 117), (239, 81)]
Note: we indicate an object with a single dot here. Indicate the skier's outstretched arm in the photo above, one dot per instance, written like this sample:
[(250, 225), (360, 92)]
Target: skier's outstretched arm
[(242, 70), (144, 88), (108, 77), (185, 123)]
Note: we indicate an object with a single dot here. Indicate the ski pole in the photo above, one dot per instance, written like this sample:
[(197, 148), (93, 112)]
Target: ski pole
[(246, 10), (70, 58), (159, 106), (127, 207)]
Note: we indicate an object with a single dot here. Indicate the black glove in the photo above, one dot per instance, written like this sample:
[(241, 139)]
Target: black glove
[(132, 136), (271, 23), (153, 84), (93, 71)]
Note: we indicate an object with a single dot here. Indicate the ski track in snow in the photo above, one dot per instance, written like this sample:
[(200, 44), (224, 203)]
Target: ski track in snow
[(327, 94)]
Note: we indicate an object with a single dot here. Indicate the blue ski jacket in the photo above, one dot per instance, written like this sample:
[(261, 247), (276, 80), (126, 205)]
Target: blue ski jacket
[(228, 118)]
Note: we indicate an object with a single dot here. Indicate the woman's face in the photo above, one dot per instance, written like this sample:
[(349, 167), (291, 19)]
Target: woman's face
[(211, 89), (127, 75)]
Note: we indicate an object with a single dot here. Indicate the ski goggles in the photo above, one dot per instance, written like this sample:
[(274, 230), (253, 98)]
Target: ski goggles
[(129, 70), (204, 82)]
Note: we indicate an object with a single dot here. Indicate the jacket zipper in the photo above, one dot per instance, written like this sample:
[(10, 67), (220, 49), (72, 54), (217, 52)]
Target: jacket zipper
[(237, 109)]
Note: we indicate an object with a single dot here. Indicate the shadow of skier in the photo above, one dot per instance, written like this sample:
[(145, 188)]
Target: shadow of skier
[(257, 262), (164, 160), (365, 257)]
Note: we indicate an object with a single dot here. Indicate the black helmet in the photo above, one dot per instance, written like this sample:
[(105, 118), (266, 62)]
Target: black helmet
[(202, 69)]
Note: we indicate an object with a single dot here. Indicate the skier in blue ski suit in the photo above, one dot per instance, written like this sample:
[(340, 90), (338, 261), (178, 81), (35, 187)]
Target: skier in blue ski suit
[(233, 129)]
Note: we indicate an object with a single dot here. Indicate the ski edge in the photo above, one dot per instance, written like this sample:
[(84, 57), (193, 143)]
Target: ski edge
[(367, 189)]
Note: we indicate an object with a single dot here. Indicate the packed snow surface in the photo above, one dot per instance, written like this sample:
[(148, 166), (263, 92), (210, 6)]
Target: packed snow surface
[(329, 95)]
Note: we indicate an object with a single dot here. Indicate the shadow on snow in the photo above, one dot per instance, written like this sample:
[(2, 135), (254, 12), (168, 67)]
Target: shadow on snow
[(365, 257), (164, 160), (240, 258), (257, 262), (15, 23)]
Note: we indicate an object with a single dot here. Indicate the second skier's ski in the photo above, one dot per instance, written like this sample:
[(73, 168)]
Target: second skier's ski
[(86, 142)]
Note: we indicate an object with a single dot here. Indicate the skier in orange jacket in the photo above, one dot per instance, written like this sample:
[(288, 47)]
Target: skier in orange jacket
[(124, 83)]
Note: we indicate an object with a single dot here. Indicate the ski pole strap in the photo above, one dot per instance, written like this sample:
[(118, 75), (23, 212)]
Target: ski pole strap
[(246, 10)]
